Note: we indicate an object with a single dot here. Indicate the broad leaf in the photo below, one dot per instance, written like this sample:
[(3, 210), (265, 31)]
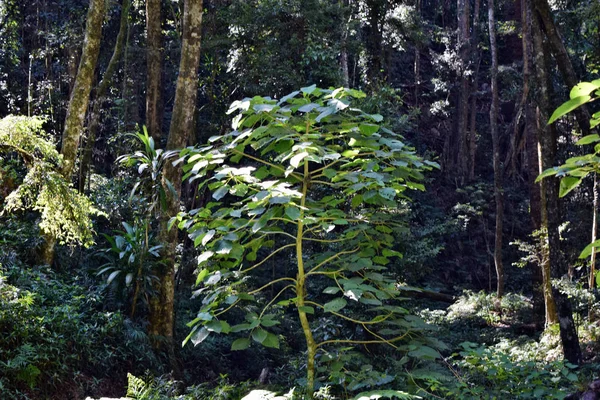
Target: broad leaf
[(335, 305), (567, 184), (200, 336), (240, 344), (568, 106)]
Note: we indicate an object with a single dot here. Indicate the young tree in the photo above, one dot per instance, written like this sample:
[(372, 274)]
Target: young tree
[(307, 170)]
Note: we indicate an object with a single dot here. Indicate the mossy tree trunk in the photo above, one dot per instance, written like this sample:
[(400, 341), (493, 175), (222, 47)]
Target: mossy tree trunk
[(182, 126), (154, 55), (94, 119), (78, 104)]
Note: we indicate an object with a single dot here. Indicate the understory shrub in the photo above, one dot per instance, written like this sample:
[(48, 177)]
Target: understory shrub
[(57, 341)]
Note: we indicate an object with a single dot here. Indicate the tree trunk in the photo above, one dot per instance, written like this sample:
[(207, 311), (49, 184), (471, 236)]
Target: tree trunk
[(182, 127), (417, 65), (533, 165), (592, 278), (498, 195), (551, 218), (562, 58), (472, 139), (78, 103), (154, 55), (374, 41), (80, 97), (462, 154), (542, 132), (94, 120)]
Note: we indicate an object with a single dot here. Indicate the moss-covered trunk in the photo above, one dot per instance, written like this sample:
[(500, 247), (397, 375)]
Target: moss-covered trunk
[(79, 102), (182, 127), (80, 97), (154, 56), (94, 120)]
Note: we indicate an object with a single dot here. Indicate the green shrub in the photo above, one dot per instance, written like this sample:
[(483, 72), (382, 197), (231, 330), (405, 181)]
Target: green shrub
[(57, 341)]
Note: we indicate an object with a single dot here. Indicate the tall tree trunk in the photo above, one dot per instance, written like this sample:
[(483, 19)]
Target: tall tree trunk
[(80, 97), (543, 132), (541, 303), (417, 66), (551, 220), (374, 41), (561, 56), (533, 165), (472, 139), (154, 55), (498, 195), (462, 153), (182, 127), (592, 277), (94, 119), (79, 101)]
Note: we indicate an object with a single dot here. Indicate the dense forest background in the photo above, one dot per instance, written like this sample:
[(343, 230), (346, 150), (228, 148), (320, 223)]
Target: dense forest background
[(166, 167)]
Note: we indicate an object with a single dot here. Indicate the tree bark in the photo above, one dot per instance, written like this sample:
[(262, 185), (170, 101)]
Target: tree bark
[(374, 41), (461, 150), (78, 103), (550, 201), (498, 191), (182, 127), (472, 138), (561, 56), (80, 97), (543, 131), (592, 277), (94, 118), (154, 55)]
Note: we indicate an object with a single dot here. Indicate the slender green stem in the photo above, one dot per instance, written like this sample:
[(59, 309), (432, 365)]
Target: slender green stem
[(272, 283), (331, 258), (267, 258)]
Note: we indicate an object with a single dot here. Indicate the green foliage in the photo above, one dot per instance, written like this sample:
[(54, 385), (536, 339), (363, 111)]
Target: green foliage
[(163, 388), (56, 336), (319, 187), (511, 307), (488, 373), (132, 258), (65, 214), (150, 162), (575, 169)]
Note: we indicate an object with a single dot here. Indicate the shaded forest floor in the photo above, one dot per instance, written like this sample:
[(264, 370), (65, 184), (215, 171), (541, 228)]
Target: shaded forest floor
[(62, 341)]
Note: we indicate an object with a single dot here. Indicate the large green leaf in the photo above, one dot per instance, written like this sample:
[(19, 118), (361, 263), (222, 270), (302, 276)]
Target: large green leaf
[(567, 184), (259, 335), (568, 106), (583, 89), (271, 341), (240, 344), (335, 305), (588, 139), (588, 249)]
